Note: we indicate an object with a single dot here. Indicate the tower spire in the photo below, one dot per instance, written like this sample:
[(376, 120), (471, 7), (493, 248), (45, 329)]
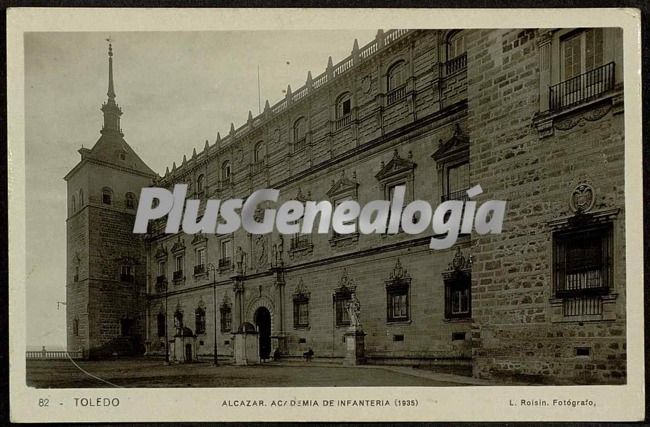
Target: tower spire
[(111, 110), (111, 90)]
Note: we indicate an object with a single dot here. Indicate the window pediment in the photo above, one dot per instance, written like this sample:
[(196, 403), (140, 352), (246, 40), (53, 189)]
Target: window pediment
[(179, 246), (198, 239), (459, 267), (399, 277), (397, 166), (161, 252), (127, 260), (458, 144), (344, 185), (347, 285)]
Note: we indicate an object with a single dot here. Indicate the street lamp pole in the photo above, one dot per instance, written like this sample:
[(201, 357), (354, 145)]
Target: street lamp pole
[(212, 268)]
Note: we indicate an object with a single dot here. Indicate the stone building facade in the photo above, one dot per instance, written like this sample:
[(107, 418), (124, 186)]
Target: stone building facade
[(533, 116)]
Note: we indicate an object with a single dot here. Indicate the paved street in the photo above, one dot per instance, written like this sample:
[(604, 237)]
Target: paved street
[(153, 373)]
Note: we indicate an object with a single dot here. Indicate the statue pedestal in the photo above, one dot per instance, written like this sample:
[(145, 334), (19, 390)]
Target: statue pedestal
[(354, 347), (247, 350)]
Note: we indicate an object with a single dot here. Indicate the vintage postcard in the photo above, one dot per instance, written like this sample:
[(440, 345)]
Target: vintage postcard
[(339, 215)]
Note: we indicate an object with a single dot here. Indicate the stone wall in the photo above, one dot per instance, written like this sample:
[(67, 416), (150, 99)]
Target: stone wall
[(516, 331)]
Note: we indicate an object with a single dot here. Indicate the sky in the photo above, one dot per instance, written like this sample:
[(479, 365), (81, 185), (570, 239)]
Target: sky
[(176, 90)]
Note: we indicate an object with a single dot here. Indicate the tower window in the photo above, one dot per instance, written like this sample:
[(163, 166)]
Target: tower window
[(225, 171), (75, 327), (343, 106), (130, 201), (259, 152), (396, 76), (81, 198), (74, 204), (200, 181), (107, 196)]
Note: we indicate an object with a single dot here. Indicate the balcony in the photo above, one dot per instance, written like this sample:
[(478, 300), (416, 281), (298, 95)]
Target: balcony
[(460, 195), (178, 275), (456, 64), (128, 278), (396, 94), (161, 280), (300, 244), (342, 122), (581, 88), (300, 144), (199, 269), (257, 167), (225, 263)]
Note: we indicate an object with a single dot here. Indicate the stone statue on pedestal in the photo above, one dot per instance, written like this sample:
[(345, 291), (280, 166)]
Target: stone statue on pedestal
[(354, 309)]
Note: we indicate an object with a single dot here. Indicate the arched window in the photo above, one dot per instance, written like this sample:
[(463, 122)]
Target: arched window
[(344, 105), (200, 181), (299, 130), (225, 171), (81, 197), (161, 324), (455, 45), (259, 152), (199, 319), (130, 201), (74, 204), (75, 327), (107, 196), (396, 76)]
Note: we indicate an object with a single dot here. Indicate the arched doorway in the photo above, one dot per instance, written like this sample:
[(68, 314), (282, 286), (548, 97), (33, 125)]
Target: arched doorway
[(262, 320)]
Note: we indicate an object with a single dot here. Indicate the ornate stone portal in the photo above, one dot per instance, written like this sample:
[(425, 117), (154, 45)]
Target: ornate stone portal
[(354, 337)]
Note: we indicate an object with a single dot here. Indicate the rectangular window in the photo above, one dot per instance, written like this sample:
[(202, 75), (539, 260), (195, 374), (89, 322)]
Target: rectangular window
[(162, 268), (225, 260), (398, 304), (341, 303), (300, 312), (457, 182), (226, 318), (199, 267), (583, 269), (180, 264), (458, 297), (126, 273), (582, 52)]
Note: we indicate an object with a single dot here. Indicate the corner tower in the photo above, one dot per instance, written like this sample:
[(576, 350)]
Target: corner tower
[(106, 263)]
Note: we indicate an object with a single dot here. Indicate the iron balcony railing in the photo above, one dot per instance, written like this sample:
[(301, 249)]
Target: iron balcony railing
[(300, 144), (199, 269), (460, 195), (396, 94), (299, 242), (224, 263), (581, 88), (178, 275), (582, 306), (161, 279), (456, 64), (257, 167), (342, 122)]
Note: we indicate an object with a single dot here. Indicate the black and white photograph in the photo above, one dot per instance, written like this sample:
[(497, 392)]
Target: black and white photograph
[(322, 209)]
